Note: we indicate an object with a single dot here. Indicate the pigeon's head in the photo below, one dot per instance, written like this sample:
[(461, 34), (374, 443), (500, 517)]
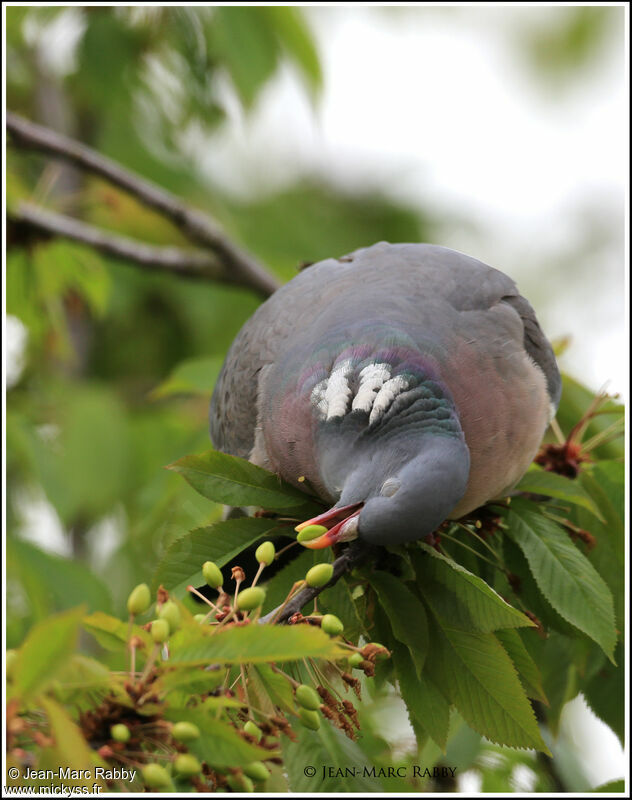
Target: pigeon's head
[(397, 494)]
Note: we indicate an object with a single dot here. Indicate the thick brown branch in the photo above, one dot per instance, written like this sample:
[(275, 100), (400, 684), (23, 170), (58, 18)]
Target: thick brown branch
[(168, 259), (356, 552), (195, 225)]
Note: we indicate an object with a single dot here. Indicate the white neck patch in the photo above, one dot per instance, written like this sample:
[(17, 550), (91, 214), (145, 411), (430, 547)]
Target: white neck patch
[(333, 396)]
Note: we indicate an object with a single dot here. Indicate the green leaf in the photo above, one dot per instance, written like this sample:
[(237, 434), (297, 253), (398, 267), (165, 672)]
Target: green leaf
[(334, 756), (564, 575), (112, 633), (193, 376), (49, 645), (219, 743), (278, 688), (81, 673), (612, 787), (338, 600), (291, 29), (538, 481), (555, 657), (86, 470), (53, 583), (235, 481), (246, 46), (70, 750), (605, 694), (474, 672), (256, 643), (528, 671), (221, 542), (195, 679), (406, 614), (425, 703), (463, 599)]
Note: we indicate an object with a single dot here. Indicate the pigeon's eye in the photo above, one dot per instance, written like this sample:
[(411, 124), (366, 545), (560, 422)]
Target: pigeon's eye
[(389, 487)]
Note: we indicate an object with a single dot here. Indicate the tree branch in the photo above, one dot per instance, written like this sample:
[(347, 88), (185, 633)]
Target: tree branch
[(244, 269), (193, 264), (354, 554)]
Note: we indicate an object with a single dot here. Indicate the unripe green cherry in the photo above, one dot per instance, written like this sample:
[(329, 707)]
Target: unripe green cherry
[(380, 656), (250, 598), (257, 771), (171, 613), (185, 731), (212, 574), (155, 776), (309, 719), (240, 783), (265, 553), (187, 765), (319, 575), (332, 625), (311, 532), (307, 697), (160, 630), (120, 733), (253, 730), (139, 599), (355, 660), (199, 618)]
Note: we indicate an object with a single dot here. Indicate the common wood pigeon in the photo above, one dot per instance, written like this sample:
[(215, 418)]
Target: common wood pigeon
[(404, 384)]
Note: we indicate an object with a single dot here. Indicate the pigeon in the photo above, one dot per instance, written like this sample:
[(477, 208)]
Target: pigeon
[(402, 384)]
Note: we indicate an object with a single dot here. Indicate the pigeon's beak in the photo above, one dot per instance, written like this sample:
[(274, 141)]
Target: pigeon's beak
[(342, 523)]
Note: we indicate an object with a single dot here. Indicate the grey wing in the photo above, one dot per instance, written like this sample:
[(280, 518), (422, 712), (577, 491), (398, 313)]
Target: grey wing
[(538, 346), (476, 286), (233, 411)]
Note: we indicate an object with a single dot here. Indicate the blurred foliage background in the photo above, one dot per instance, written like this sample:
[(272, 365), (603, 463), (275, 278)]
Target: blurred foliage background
[(115, 369)]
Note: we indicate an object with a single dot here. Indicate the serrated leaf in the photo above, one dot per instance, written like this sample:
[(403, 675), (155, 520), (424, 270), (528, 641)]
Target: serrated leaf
[(538, 481), (528, 671), (221, 542), (193, 376), (333, 754), (469, 601), (555, 659), (112, 633), (564, 575), (474, 672), (235, 481), (278, 688), (406, 614), (48, 646), (338, 600), (219, 744), (425, 703), (197, 679), (255, 643)]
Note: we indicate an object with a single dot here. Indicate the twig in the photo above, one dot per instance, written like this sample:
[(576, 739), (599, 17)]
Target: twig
[(353, 555), (170, 259), (242, 267)]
